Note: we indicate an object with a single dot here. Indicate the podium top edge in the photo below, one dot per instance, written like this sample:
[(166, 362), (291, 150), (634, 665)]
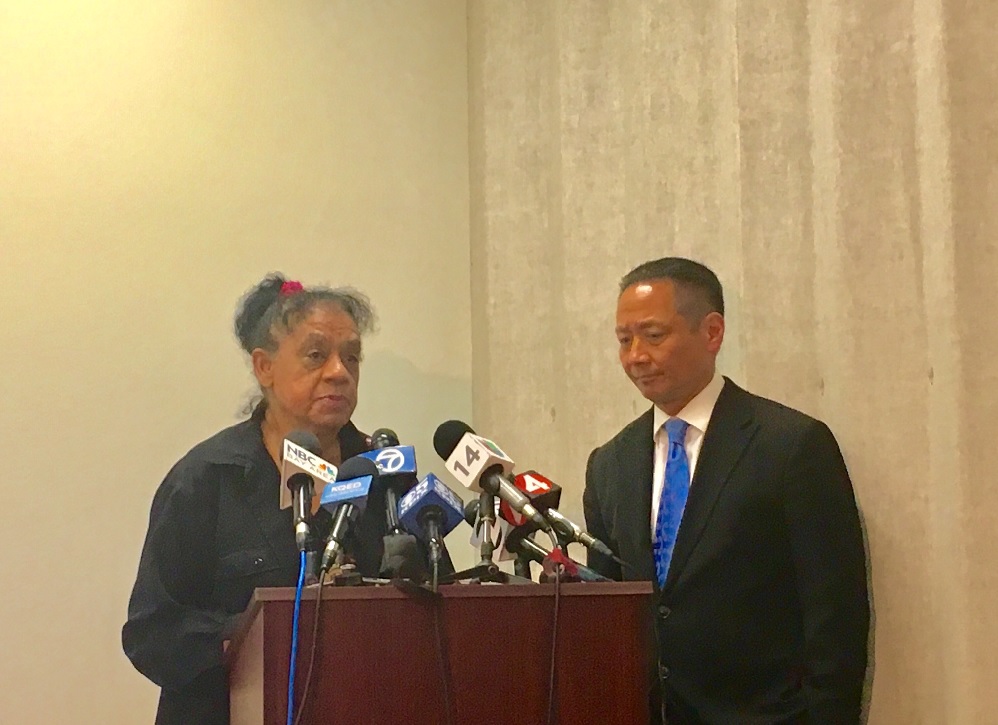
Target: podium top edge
[(457, 591)]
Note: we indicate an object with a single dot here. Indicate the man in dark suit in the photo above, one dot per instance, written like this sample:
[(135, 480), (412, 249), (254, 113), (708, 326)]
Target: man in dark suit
[(741, 511)]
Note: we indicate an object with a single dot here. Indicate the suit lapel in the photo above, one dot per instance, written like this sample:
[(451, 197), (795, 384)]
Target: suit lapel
[(730, 429), (637, 458)]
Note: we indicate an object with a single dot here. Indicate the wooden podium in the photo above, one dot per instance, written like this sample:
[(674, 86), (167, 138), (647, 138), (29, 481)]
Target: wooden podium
[(377, 657)]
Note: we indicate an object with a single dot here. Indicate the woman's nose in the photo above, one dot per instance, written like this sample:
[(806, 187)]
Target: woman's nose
[(334, 368)]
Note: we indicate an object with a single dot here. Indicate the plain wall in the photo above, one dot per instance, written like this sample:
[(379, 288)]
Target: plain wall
[(836, 163), (156, 160)]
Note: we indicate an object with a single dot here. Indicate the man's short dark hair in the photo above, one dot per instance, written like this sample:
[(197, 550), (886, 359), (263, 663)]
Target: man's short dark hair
[(699, 289)]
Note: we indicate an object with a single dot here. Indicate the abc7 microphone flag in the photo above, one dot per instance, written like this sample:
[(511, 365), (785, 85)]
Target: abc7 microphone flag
[(393, 460)]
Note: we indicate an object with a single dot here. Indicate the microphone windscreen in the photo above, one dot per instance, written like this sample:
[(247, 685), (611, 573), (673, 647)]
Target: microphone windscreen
[(356, 467), (403, 559), (448, 435), (298, 480), (307, 440), (384, 438), (471, 511)]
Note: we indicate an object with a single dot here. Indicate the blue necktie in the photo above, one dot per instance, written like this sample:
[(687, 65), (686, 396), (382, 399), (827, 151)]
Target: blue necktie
[(675, 489)]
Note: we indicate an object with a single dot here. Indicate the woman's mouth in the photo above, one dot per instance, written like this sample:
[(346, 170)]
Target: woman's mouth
[(332, 400)]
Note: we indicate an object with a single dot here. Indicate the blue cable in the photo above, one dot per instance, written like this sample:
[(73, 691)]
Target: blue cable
[(294, 641)]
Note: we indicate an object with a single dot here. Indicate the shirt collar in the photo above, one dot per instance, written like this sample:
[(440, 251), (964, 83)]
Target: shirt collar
[(698, 411), (242, 444)]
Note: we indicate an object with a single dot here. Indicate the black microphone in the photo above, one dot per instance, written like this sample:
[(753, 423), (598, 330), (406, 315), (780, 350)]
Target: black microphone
[(545, 495), (396, 480), (541, 490), (383, 438), (302, 487), (486, 526), (471, 512), (519, 542), (431, 510), (401, 557), (501, 529), (573, 532), (346, 499)]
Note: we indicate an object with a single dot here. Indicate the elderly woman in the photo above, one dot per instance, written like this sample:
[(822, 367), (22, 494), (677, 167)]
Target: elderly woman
[(216, 531)]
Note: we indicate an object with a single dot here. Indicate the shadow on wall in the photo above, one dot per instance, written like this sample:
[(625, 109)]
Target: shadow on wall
[(871, 642), (395, 394)]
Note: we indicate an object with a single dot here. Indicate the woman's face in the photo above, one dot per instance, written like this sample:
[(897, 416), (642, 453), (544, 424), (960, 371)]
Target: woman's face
[(310, 381)]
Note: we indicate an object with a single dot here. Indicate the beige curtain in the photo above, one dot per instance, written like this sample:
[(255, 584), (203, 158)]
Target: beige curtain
[(837, 164)]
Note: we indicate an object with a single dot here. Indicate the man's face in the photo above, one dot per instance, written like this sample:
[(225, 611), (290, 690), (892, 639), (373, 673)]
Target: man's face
[(665, 357)]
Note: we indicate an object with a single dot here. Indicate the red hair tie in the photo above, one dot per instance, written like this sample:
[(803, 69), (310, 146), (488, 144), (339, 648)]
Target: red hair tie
[(290, 288)]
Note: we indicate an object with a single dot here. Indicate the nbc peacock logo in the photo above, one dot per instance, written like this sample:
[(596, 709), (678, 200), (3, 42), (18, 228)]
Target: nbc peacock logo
[(494, 448)]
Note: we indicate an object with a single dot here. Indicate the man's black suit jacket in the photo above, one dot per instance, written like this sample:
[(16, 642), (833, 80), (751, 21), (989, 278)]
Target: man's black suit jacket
[(764, 615)]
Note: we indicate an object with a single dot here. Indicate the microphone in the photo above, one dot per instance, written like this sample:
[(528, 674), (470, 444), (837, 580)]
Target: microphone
[(431, 510), (542, 492), (500, 528), (481, 466), (401, 557), (299, 467), (545, 495), (497, 531), (298, 458), (384, 438), (519, 542), (397, 466), (573, 532), (346, 499), (471, 512)]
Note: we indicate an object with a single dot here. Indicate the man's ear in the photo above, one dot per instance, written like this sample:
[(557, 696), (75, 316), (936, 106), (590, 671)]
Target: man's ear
[(712, 327)]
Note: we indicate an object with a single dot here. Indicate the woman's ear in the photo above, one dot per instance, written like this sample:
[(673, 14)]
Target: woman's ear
[(263, 368)]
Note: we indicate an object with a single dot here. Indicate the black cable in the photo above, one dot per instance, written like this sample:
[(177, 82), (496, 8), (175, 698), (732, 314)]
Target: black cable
[(442, 658), (311, 656), (626, 565), (552, 701)]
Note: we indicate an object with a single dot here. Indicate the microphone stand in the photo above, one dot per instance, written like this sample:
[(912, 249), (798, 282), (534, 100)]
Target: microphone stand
[(486, 570), (486, 520), (312, 558), (431, 520), (391, 511), (521, 566)]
